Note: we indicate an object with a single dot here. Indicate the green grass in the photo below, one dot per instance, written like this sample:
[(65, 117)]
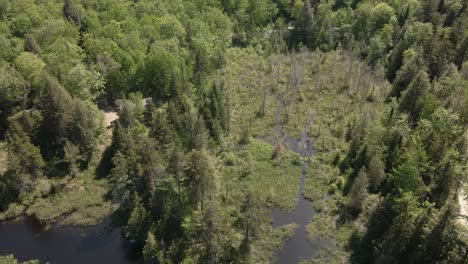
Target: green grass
[(10, 259), (337, 237), (330, 254), (14, 210), (263, 249), (81, 202), (321, 175), (327, 100), (78, 201), (322, 226), (274, 184), (328, 94)]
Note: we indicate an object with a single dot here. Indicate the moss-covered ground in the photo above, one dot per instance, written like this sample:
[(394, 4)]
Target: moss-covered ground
[(81, 200)]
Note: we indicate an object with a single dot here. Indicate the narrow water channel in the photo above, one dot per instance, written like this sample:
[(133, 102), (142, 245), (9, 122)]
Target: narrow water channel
[(72, 245), (299, 246)]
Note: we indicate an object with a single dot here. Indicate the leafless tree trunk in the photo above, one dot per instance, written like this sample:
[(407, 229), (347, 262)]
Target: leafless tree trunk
[(348, 72), (264, 88)]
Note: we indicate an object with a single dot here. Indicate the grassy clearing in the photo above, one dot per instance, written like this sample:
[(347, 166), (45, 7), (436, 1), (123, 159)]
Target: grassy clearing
[(251, 167), (78, 201), (330, 254), (14, 210), (324, 226), (322, 179), (263, 249), (328, 94), (332, 89), (10, 259), (246, 81), (81, 202)]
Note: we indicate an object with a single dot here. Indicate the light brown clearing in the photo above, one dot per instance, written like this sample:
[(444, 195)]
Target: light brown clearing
[(110, 117), (463, 201), (3, 161)]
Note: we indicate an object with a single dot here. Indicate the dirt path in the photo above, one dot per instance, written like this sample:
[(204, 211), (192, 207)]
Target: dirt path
[(463, 201), (3, 161), (109, 117)]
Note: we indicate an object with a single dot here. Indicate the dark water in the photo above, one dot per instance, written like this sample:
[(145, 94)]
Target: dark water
[(27, 240), (299, 246)]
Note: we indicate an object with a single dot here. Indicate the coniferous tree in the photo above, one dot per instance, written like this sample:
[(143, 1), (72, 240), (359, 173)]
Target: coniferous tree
[(375, 172), (177, 167), (13, 95), (405, 75), (151, 250), (137, 225), (416, 90), (305, 26), (24, 159), (200, 176), (358, 192)]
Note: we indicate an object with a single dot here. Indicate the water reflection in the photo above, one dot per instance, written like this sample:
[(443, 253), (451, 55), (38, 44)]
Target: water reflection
[(299, 246), (27, 240)]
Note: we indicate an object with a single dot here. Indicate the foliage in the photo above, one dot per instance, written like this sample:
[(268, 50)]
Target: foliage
[(379, 88), (10, 259)]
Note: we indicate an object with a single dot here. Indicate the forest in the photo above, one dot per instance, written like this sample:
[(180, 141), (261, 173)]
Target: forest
[(195, 127)]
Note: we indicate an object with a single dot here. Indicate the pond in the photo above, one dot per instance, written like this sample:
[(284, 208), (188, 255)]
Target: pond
[(299, 246), (27, 240)]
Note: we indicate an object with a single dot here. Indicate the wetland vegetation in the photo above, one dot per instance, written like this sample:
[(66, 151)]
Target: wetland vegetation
[(233, 131)]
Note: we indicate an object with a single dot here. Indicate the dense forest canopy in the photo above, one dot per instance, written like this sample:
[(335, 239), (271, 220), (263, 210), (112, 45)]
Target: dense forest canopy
[(191, 176)]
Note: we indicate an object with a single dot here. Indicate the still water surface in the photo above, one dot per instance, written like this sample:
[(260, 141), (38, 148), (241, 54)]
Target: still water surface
[(95, 245), (72, 245), (299, 246)]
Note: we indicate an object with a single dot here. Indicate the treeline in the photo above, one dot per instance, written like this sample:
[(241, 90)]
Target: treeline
[(164, 177), (59, 60), (413, 159), (413, 156), (62, 59)]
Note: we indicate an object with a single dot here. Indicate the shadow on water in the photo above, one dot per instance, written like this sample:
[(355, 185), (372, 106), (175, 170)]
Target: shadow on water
[(27, 240), (299, 246)]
